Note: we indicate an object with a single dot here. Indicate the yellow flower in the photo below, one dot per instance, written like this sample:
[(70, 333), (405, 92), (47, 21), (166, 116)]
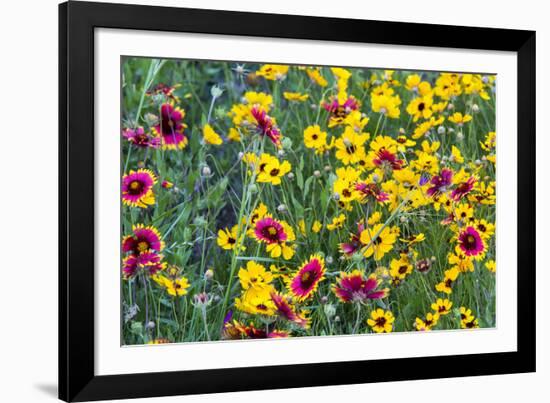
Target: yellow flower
[(379, 240), (467, 319), (380, 321), (273, 71), (315, 75), (265, 101), (349, 147), (460, 119), (442, 306), (420, 107), (447, 86), (456, 156), (234, 135), (491, 266), (257, 301), (399, 269), (386, 105), (176, 287), (428, 323), (228, 239), (314, 137), (317, 226), (254, 276), (447, 283), (273, 171), (337, 222), (210, 136), (374, 218), (295, 96)]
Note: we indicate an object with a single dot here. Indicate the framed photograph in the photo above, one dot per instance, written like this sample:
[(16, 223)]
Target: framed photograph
[(258, 201)]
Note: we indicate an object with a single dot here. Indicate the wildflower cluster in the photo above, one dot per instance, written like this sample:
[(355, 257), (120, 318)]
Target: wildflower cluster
[(269, 201)]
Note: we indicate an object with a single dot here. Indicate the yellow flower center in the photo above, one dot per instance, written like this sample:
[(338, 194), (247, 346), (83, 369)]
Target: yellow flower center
[(272, 231)]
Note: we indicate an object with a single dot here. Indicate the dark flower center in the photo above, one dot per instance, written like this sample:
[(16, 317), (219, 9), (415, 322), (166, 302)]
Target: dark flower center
[(377, 241), (346, 193), (421, 106), (402, 269), (271, 233), (307, 279), (469, 242), (135, 187), (231, 240), (381, 321), (274, 172), (315, 136), (351, 149)]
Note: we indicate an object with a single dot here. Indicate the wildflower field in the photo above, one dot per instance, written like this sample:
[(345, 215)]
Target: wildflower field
[(267, 201)]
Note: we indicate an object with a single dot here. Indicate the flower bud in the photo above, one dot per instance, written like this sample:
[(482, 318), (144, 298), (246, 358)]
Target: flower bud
[(475, 108), (317, 173), (281, 208), (460, 136), (290, 175), (206, 171), (441, 130), (328, 168), (209, 274)]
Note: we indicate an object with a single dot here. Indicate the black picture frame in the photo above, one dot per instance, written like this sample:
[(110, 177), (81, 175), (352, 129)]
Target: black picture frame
[(77, 21)]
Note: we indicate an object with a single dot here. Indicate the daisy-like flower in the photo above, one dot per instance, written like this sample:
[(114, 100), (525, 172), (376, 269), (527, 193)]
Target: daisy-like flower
[(399, 269), (283, 304), (275, 234), (471, 243), (450, 277), (295, 96), (137, 188), (273, 71), (463, 188), (460, 119), (254, 276), (142, 239), (491, 266), (440, 183), (256, 301), (420, 107), (314, 137), (210, 136), (176, 287), (381, 321), (149, 262), (266, 125), (467, 319), (387, 105), (378, 241), (442, 306), (355, 287), (139, 138), (304, 282), (349, 146), (337, 222), (315, 76), (428, 323), (171, 128), (273, 171), (228, 239)]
